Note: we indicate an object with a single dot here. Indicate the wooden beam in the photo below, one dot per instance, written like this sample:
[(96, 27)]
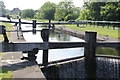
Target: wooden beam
[(38, 23), (60, 45), (108, 44), (22, 30), (12, 47)]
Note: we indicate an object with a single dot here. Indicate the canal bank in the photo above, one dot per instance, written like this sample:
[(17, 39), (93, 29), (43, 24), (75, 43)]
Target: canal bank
[(81, 34), (20, 68)]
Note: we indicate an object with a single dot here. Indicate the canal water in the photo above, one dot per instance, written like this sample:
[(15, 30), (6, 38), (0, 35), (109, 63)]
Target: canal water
[(59, 54), (54, 54)]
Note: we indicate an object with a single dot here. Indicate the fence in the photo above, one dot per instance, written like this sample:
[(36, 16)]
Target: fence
[(99, 23), (90, 45)]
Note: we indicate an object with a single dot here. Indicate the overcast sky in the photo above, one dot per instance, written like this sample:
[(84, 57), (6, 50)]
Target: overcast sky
[(34, 4)]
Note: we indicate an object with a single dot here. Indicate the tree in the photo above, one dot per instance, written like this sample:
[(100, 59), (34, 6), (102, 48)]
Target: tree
[(2, 9), (111, 11), (47, 11), (63, 9), (28, 13)]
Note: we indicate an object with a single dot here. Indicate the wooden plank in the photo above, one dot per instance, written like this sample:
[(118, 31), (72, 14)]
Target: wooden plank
[(12, 47), (22, 30), (38, 23), (60, 45), (63, 60), (15, 22), (108, 44)]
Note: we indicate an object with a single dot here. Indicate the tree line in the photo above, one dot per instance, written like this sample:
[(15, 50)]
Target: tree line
[(101, 11), (66, 10)]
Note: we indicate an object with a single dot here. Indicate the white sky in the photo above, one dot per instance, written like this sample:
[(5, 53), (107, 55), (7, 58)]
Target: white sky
[(33, 4)]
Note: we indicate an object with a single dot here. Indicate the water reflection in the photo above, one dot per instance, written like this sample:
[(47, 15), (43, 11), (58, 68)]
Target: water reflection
[(58, 54), (107, 51)]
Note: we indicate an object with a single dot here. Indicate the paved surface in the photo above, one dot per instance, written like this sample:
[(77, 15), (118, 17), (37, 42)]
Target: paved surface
[(20, 68)]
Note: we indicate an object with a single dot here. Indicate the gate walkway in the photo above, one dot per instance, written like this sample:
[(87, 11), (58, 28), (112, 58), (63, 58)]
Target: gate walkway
[(20, 68)]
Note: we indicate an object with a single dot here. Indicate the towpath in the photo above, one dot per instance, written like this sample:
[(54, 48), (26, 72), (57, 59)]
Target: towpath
[(20, 68)]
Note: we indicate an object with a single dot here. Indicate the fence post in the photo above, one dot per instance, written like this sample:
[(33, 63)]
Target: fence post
[(49, 24), (3, 31), (45, 37), (19, 23), (90, 49), (34, 26)]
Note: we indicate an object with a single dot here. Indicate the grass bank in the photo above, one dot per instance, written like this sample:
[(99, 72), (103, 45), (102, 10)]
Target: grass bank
[(4, 72), (99, 30)]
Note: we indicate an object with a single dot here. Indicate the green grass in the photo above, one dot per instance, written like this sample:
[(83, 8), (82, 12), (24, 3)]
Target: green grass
[(4, 72), (100, 31)]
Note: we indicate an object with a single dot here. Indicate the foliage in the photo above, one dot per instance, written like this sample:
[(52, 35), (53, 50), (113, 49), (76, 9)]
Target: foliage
[(85, 15), (28, 13), (111, 11), (8, 15), (71, 17), (101, 11), (47, 11), (2, 8), (63, 9)]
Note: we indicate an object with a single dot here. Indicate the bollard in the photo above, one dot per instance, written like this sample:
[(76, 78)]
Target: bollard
[(90, 60)]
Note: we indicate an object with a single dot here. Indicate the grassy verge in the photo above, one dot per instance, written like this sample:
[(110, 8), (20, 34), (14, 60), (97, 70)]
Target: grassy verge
[(4, 72), (100, 31)]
